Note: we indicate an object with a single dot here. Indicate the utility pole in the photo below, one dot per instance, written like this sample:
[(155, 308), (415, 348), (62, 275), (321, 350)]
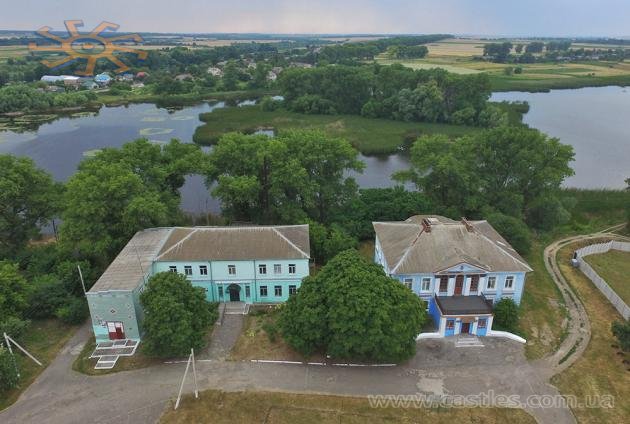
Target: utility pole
[(81, 277), (191, 358), (8, 340)]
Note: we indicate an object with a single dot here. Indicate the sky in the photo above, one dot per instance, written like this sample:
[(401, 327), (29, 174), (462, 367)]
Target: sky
[(472, 17)]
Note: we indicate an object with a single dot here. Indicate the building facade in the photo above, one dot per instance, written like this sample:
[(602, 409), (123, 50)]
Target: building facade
[(262, 264), (459, 268)]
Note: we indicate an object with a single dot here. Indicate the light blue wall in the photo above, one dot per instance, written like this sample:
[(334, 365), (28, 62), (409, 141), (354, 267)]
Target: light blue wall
[(113, 306)]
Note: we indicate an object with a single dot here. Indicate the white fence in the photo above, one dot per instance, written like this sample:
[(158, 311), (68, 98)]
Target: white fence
[(601, 284)]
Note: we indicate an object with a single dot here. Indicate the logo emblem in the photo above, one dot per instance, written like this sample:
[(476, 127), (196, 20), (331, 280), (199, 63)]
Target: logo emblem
[(88, 46)]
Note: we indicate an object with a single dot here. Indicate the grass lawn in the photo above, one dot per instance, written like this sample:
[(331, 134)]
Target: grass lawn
[(255, 343), (85, 365), (44, 339), (603, 369), (614, 267), (278, 408), (369, 136)]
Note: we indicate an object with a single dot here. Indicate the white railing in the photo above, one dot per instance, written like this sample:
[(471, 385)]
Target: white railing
[(599, 282)]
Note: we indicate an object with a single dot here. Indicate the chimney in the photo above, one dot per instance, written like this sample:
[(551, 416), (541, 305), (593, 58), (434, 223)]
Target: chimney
[(426, 225), (468, 225)]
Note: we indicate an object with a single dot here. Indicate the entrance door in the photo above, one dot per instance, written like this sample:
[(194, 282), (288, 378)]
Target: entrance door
[(465, 328), (459, 285), (235, 293), (116, 330)]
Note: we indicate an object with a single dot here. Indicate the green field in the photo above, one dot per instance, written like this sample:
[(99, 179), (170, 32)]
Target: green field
[(369, 136), (614, 267), (282, 408), (456, 55)]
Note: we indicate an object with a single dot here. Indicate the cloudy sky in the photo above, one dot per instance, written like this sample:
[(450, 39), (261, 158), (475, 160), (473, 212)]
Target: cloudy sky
[(479, 17)]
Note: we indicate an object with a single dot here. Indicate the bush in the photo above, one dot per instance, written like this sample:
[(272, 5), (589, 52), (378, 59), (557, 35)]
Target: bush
[(13, 326), (465, 116), (75, 311), (505, 315), (621, 330), (268, 104), (271, 328), (547, 212), (328, 242), (513, 230), (8, 373), (47, 295), (313, 104)]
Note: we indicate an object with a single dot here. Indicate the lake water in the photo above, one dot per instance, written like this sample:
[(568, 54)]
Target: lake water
[(590, 119), (60, 145), (594, 121)]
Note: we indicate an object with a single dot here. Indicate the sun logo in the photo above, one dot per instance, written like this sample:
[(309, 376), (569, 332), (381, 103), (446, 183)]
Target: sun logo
[(90, 47)]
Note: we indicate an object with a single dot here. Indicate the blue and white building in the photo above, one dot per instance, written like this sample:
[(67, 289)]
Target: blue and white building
[(254, 265), (460, 268)]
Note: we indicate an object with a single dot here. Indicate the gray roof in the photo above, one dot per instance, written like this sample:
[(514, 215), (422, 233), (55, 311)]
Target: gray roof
[(463, 305), (236, 243), (410, 249), (133, 262), (201, 244)]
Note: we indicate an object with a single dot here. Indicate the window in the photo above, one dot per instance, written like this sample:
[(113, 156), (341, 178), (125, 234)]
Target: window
[(232, 269), (247, 292), (408, 283), (187, 270), (509, 282), (450, 324), (203, 270), (292, 290), (262, 269), (291, 268), (172, 268), (443, 284), (263, 291), (492, 283), (277, 269), (474, 284), (481, 323), (277, 290), (220, 291), (426, 284)]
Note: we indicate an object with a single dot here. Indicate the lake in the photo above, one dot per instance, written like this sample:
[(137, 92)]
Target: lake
[(590, 119), (60, 145), (593, 121)]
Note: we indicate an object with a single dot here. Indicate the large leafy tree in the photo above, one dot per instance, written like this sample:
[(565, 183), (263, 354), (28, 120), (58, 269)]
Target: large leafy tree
[(176, 315), (509, 169), (13, 291), (121, 191), (287, 178), (28, 200), (352, 310)]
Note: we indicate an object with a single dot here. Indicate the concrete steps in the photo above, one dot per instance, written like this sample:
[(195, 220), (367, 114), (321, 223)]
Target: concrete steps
[(468, 342)]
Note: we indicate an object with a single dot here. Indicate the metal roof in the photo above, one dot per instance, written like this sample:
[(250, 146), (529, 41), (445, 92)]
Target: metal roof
[(411, 248), (201, 244), (236, 243), (463, 305)]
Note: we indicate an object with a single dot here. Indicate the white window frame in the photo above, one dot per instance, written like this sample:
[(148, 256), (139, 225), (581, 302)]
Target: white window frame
[(292, 289), (292, 268), (188, 270), (262, 269), (277, 289), (425, 280), (277, 268), (231, 269), (203, 270), (265, 289), (172, 268), (408, 282), (511, 279), (494, 283)]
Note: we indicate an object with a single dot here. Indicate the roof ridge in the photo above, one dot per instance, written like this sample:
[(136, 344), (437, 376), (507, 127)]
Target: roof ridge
[(176, 244), (290, 242), (501, 249), (404, 256)]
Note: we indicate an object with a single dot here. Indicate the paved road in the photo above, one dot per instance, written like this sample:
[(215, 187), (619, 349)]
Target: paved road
[(61, 395)]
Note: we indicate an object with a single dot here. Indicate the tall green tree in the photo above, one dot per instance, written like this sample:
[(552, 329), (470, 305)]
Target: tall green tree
[(230, 76), (352, 310), (176, 315), (121, 191), (28, 199), (13, 291)]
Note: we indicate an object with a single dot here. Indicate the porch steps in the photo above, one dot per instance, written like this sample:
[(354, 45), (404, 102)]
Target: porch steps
[(106, 362), (468, 342), (236, 308)]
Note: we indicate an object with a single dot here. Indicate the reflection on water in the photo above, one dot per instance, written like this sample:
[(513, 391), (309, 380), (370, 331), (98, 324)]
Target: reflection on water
[(593, 121), (60, 145)]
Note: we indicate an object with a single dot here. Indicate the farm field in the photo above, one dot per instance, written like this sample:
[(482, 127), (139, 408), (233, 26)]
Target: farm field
[(614, 267), (369, 136), (456, 55), (7, 52), (279, 408)]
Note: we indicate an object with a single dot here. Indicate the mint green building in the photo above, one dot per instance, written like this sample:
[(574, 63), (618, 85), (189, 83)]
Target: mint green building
[(254, 265)]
